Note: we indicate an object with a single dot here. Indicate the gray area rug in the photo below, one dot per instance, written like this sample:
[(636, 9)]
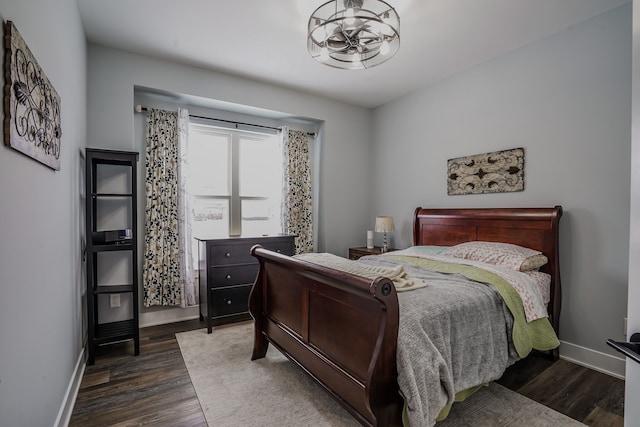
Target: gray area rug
[(235, 391)]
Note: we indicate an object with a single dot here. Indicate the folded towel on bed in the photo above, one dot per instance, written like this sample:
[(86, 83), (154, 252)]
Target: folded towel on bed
[(398, 275)]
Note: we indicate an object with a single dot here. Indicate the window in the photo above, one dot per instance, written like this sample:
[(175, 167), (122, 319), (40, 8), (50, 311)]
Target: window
[(235, 181)]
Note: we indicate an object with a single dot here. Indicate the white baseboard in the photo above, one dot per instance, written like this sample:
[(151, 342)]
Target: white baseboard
[(64, 415), (596, 360), (171, 315)]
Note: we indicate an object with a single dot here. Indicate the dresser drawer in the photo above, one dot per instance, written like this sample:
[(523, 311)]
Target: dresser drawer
[(230, 254), (230, 301), (240, 252), (280, 247), (233, 275)]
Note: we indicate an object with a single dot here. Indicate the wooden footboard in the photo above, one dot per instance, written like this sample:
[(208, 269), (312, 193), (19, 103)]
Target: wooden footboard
[(304, 310)]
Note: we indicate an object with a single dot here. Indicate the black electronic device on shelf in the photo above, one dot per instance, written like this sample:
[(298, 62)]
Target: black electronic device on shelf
[(112, 236)]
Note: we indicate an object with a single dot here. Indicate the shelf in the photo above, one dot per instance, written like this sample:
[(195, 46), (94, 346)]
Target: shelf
[(114, 331), (113, 247), (112, 157), (110, 195), (113, 289)]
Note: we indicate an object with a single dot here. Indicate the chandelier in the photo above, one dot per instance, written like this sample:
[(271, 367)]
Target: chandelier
[(355, 34)]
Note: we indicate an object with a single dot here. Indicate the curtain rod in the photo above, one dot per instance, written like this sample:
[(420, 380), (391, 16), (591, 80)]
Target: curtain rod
[(140, 109)]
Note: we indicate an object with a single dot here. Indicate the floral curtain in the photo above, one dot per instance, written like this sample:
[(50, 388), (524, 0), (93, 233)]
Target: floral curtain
[(185, 215), (297, 200), (161, 265)]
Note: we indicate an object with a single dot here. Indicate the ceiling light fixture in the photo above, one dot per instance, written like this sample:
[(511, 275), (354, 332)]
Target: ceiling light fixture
[(357, 34)]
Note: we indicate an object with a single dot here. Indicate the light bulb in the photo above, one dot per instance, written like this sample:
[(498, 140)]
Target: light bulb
[(350, 16), (357, 61), (384, 47), (324, 53)]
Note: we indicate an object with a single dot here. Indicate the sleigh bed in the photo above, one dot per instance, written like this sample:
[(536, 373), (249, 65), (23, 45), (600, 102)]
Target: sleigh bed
[(342, 328)]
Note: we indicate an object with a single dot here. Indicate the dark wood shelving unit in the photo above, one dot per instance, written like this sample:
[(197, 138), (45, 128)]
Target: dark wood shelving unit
[(101, 333)]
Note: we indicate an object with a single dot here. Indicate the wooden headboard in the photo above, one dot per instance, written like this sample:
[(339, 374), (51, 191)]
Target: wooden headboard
[(535, 228)]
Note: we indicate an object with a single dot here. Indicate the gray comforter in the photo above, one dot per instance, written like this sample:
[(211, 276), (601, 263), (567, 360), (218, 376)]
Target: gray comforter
[(454, 334)]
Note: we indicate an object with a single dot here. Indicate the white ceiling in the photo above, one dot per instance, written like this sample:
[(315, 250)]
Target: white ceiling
[(266, 39)]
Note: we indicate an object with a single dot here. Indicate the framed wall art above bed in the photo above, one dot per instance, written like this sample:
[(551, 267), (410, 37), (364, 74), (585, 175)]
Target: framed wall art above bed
[(497, 172)]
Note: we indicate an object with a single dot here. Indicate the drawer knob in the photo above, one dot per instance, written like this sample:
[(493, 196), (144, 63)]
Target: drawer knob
[(278, 250), (227, 254), (228, 302), (228, 277)]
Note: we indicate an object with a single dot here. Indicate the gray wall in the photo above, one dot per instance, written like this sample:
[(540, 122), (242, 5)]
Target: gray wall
[(41, 273), (565, 99), (632, 383), (345, 136)]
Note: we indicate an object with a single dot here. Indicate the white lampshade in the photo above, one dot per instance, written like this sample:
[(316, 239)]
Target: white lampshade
[(384, 224)]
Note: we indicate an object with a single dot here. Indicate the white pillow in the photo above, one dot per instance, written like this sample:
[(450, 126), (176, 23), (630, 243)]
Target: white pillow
[(543, 282), (507, 255)]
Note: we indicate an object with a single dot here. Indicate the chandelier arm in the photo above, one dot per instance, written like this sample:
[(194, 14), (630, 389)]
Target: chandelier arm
[(347, 37), (344, 49), (387, 12)]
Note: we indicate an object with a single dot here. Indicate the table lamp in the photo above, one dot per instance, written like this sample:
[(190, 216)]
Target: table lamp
[(384, 224)]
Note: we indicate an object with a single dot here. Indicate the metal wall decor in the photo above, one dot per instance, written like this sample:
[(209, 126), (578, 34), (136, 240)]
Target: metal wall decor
[(497, 172), (31, 104)]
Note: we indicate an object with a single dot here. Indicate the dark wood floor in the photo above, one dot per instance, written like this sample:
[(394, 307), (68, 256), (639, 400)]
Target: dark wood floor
[(154, 388), (591, 397)]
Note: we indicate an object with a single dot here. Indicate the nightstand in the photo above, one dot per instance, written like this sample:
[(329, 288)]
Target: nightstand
[(356, 253)]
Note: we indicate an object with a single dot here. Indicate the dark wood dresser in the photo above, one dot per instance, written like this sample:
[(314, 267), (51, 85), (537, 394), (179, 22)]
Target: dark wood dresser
[(227, 272)]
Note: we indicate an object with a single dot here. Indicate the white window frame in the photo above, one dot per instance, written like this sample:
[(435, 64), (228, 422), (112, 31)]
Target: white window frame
[(234, 199)]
